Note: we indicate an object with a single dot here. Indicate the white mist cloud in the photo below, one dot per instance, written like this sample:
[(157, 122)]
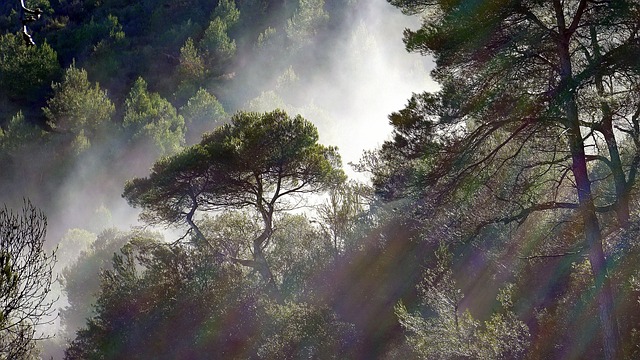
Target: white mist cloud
[(368, 75), (372, 75)]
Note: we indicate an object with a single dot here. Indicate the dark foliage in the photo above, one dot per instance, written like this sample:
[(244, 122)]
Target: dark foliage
[(25, 280)]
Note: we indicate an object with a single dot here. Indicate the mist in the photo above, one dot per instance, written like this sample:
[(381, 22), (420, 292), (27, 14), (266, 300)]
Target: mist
[(196, 214), (358, 76), (371, 75), (367, 74)]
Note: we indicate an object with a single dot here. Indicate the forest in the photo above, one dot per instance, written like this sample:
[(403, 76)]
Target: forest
[(319, 179)]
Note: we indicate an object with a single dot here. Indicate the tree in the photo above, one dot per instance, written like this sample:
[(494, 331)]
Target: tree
[(152, 119), (81, 278), (20, 142), (217, 47), (25, 71), (72, 244), (18, 134), (298, 254), (25, 280), (79, 108), (521, 72), (191, 70), (155, 291), (341, 214), (451, 332), (226, 10), (260, 162), (302, 27), (301, 330), (202, 112)]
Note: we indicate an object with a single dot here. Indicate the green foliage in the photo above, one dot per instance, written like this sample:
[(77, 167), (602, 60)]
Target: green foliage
[(266, 37), (265, 101), (242, 164), (25, 280), (227, 233), (73, 243), (117, 41), (262, 163), (105, 46), (152, 119), (300, 330), (209, 58), (8, 282), (305, 23), (202, 112), (155, 292), (44, 5), (227, 12), (451, 332), (342, 214), (297, 253), (81, 277), (26, 71), (18, 134), (79, 108), (216, 46), (97, 35), (522, 98), (191, 70)]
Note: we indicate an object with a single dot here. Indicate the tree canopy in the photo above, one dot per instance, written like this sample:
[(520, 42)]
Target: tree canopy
[(538, 89), (79, 108), (261, 162), (500, 222), (26, 275)]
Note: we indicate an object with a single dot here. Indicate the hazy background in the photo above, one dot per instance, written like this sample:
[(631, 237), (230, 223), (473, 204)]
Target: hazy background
[(365, 78), (356, 78)]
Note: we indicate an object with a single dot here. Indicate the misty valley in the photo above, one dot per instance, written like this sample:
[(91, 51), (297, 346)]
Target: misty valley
[(319, 179)]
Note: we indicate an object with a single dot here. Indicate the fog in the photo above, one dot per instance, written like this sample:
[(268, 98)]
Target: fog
[(366, 75), (371, 76)]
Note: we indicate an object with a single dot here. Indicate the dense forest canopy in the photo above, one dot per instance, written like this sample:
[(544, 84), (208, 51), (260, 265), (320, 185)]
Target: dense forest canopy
[(177, 153)]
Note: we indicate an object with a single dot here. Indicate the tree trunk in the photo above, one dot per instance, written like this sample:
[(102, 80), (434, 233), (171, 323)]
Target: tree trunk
[(593, 240), (620, 182), (265, 272), (591, 225), (593, 237), (606, 128), (261, 261)]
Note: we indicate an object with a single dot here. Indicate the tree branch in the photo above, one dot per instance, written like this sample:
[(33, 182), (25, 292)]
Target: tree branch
[(549, 256)]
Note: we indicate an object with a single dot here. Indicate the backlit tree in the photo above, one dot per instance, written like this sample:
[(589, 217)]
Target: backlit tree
[(540, 87), (25, 280), (264, 163)]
